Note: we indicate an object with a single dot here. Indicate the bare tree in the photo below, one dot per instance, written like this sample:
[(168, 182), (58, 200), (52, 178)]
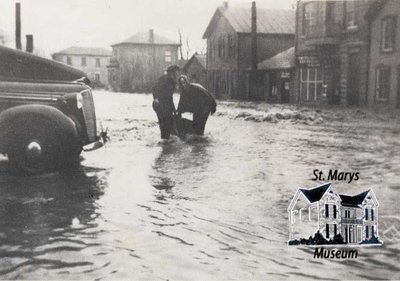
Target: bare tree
[(187, 47), (180, 43)]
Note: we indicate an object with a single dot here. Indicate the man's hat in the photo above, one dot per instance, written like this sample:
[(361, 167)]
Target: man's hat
[(173, 68)]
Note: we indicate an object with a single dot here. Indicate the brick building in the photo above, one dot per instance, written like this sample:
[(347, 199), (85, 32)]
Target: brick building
[(332, 52), (138, 61), (229, 51), (92, 61), (384, 66)]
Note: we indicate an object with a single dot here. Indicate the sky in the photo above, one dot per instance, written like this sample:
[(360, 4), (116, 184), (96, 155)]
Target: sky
[(58, 24)]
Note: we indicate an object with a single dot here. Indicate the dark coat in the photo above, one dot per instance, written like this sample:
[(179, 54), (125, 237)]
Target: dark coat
[(163, 91), (196, 99)]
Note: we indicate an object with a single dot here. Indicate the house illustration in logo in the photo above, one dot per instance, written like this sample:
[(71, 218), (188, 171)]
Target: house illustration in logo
[(332, 217)]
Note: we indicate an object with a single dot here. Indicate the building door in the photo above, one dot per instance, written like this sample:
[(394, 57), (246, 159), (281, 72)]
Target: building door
[(353, 80), (285, 90), (359, 234), (398, 86)]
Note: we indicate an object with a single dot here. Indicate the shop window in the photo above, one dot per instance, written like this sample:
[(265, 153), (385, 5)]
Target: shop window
[(311, 83), (388, 34), (168, 56), (351, 14), (382, 83)]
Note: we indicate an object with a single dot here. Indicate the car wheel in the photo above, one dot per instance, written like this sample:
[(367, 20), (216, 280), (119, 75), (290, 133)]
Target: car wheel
[(35, 147)]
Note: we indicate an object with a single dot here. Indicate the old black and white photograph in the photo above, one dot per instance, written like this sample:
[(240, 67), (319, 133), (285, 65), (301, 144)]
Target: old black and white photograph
[(199, 140)]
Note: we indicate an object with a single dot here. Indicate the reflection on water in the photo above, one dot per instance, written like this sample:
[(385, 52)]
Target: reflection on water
[(44, 215)]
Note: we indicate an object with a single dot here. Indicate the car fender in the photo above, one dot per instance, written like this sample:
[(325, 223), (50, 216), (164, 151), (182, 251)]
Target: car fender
[(64, 125)]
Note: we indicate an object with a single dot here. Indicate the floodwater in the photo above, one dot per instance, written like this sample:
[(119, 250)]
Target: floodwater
[(203, 208)]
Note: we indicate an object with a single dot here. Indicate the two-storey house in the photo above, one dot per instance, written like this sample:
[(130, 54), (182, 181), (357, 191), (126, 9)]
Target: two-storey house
[(92, 61), (332, 52), (138, 61), (322, 209), (229, 46), (384, 66)]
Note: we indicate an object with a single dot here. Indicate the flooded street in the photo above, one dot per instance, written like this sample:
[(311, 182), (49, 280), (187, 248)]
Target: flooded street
[(203, 208)]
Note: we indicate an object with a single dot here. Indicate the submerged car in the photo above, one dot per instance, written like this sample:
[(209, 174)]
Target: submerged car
[(47, 113)]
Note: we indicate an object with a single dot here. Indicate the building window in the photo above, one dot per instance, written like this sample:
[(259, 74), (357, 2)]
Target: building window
[(327, 210), (372, 214), (311, 83), (231, 46), (366, 232), (313, 17), (83, 61), (335, 229), (382, 83), (310, 13), (98, 63), (366, 214), (388, 34), (168, 56), (221, 47), (372, 231), (334, 211), (351, 14), (69, 60), (327, 231), (97, 77)]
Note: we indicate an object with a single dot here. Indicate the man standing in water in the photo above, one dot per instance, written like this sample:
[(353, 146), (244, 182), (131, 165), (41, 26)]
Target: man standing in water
[(163, 103), (197, 100)]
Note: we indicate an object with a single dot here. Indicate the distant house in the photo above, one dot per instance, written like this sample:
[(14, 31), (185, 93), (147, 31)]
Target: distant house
[(384, 66), (322, 209), (139, 60), (229, 46), (279, 77), (92, 61), (196, 69)]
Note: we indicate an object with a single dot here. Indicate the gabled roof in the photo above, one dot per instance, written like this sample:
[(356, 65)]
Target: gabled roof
[(356, 200), (269, 21), (74, 50), (282, 60), (315, 194), (202, 59), (144, 38)]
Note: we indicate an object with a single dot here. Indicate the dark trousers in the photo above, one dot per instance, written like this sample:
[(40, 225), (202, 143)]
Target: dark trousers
[(165, 121), (199, 122)]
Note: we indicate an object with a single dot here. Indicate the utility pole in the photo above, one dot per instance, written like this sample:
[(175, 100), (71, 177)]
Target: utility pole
[(18, 43), (254, 56)]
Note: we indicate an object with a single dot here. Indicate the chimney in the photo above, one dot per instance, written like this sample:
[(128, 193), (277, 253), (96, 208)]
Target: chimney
[(151, 36), (29, 43), (18, 43), (225, 4), (254, 56)]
